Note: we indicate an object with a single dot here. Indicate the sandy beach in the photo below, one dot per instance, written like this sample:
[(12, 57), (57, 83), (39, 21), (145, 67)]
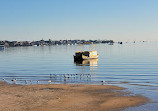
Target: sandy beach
[(64, 97)]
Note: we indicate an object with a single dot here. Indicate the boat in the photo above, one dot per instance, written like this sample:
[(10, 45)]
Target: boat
[(120, 42), (110, 43), (2, 47), (84, 55)]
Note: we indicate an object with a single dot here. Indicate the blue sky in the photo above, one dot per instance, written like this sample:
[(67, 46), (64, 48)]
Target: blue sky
[(79, 19)]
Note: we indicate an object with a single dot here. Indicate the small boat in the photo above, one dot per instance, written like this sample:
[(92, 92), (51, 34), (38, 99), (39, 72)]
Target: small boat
[(83, 55), (2, 47), (120, 42), (110, 43)]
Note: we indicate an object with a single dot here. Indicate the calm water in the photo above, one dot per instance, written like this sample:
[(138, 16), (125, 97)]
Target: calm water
[(131, 65)]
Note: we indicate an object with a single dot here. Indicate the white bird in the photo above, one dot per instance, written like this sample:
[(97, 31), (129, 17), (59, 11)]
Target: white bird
[(14, 80), (30, 81), (102, 81), (89, 75), (49, 81), (25, 81)]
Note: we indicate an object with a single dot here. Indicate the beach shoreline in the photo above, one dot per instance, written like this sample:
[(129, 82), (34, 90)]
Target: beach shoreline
[(66, 97)]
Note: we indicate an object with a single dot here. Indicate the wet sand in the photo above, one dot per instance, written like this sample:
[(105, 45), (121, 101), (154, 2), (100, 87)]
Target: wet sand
[(64, 97)]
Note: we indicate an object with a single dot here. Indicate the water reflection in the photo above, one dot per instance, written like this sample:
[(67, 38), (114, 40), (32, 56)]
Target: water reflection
[(89, 62)]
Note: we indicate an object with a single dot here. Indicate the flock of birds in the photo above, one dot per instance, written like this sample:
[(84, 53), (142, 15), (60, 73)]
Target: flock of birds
[(70, 75), (51, 76)]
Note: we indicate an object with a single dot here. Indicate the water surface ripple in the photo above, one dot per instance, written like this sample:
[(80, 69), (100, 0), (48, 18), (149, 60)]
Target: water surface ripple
[(132, 65)]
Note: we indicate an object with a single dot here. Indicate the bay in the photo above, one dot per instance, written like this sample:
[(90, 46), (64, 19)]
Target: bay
[(131, 65)]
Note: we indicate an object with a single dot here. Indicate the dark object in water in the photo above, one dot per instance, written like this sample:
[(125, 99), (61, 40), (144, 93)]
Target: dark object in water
[(120, 42), (88, 62), (2, 47), (84, 55)]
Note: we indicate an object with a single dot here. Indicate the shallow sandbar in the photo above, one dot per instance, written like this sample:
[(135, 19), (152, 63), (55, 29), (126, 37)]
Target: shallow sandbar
[(65, 97)]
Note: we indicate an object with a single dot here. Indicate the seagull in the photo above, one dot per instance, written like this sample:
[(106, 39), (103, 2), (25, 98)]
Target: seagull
[(50, 75), (25, 81), (14, 80), (89, 75), (49, 81), (30, 81), (102, 81)]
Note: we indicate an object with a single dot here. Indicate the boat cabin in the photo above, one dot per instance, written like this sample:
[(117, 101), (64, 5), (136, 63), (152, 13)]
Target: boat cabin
[(86, 55)]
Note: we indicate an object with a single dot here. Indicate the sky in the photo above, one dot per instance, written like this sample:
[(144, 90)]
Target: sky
[(126, 20)]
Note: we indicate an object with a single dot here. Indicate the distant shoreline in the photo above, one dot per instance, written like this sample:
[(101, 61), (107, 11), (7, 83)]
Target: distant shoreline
[(51, 42)]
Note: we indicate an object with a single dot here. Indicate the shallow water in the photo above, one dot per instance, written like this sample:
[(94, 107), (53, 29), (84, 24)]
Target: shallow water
[(131, 65)]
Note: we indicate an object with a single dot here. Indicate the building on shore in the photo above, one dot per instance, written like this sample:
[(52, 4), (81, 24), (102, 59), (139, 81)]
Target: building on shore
[(52, 42)]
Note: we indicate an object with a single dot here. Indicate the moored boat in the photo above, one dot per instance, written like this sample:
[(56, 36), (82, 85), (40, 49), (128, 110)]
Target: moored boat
[(83, 55), (2, 47)]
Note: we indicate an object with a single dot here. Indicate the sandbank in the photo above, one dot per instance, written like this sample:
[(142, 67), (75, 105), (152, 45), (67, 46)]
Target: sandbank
[(66, 97)]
